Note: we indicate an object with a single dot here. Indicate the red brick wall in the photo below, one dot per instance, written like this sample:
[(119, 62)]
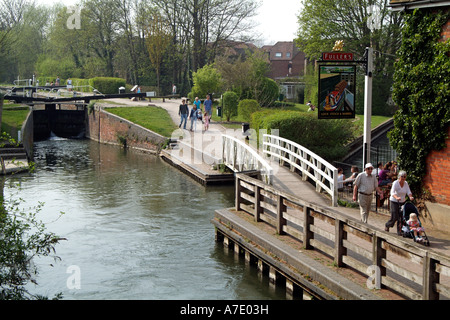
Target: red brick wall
[(105, 127), (437, 179)]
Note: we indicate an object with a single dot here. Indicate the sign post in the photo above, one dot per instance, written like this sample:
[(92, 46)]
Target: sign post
[(368, 107), (342, 57)]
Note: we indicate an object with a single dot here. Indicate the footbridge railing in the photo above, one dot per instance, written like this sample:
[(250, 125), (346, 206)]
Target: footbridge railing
[(239, 157), (322, 173)]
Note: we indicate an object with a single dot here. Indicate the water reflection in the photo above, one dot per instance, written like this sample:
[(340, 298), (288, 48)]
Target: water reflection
[(136, 227)]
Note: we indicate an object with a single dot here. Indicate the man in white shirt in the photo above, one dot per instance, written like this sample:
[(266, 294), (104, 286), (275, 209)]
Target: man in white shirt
[(364, 186)]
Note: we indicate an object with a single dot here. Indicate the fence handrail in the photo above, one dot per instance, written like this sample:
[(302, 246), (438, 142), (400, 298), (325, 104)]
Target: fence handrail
[(240, 157), (348, 241), (272, 146)]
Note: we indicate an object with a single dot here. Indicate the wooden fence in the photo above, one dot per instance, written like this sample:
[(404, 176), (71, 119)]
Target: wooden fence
[(395, 263)]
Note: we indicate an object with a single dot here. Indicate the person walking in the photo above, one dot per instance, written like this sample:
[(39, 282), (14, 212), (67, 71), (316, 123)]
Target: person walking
[(207, 118), (183, 112), (193, 117), (399, 190), (364, 186), (208, 105)]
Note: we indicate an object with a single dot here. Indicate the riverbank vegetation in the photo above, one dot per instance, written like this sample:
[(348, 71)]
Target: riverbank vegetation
[(24, 237)]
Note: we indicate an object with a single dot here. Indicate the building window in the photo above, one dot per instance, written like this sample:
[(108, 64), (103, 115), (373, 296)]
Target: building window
[(288, 54), (278, 55)]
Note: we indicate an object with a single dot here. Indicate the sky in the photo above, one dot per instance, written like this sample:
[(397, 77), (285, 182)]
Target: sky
[(276, 19)]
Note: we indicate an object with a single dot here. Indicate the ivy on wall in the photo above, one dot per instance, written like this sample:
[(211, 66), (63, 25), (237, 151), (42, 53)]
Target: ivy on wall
[(422, 92)]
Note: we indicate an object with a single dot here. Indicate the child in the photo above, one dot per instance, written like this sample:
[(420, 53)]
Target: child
[(414, 225), (206, 118)]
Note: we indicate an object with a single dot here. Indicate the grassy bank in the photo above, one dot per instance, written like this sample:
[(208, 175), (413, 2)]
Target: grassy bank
[(155, 119), (13, 116)]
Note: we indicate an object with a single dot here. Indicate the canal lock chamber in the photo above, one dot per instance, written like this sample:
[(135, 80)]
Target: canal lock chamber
[(61, 120)]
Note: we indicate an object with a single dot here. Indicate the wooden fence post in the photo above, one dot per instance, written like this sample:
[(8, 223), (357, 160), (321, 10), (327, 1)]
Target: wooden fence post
[(307, 233), (280, 220), (430, 278), (340, 236), (257, 203), (238, 193), (378, 254)]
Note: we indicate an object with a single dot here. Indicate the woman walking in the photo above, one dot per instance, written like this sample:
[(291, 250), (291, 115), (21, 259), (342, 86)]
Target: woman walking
[(399, 190)]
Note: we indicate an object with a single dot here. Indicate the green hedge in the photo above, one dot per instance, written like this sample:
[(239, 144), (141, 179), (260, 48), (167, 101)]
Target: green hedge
[(107, 85), (326, 138), (268, 92), (246, 108)]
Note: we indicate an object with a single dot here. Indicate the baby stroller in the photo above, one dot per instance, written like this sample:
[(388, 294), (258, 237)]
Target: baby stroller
[(408, 208)]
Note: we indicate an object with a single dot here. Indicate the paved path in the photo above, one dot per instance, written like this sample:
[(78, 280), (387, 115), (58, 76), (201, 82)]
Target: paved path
[(286, 180)]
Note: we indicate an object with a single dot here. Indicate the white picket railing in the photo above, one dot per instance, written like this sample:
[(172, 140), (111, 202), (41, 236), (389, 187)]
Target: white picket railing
[(322, 173), (240, 157)]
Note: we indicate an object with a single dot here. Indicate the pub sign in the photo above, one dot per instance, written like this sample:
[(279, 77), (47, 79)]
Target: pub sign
[(337, 87)]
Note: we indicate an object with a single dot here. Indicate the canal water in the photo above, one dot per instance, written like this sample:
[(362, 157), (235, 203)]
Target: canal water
[(136, 228)]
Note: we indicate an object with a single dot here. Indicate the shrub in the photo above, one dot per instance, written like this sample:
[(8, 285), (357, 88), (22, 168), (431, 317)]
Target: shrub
[(326, 138), (247, 107), (267, 92), (107, 85), (230, 104)]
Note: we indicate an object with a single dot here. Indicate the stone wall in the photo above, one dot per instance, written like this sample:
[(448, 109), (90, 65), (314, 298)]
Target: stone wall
[(105, 127)]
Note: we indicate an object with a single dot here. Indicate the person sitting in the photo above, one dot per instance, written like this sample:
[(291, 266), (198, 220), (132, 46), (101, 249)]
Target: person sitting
[(384, 177), (349, 181), (340, 179), (414, 225)]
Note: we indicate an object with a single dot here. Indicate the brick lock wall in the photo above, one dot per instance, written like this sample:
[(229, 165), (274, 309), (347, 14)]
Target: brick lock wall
[(105, 127)]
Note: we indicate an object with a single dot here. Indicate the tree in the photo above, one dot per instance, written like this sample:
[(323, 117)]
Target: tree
[(206, 80), (22, 32), (208, 24), (230, 104), (322, 22), (157, 41), (100, 22), (244, 75)]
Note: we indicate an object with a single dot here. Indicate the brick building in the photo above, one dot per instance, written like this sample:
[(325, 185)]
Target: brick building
[(285, 60), (437, 178)]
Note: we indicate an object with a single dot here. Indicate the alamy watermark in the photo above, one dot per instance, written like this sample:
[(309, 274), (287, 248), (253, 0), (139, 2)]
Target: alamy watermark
[(74, 20), (196, 148), (374, 279), (74, 280)]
